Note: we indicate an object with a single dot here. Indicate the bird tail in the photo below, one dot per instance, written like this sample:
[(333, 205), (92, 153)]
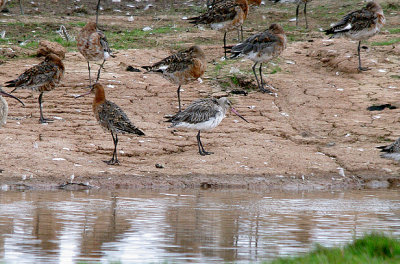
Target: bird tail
[(137, 131), (195, 20), (384, 148), (151, 69), (12, 83)]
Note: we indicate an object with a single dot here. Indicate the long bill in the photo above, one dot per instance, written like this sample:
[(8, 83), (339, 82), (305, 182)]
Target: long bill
[(87, 93), (12, 96), (236, 113)]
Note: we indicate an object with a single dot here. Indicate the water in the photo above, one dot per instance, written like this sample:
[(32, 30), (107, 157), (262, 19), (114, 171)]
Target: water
[(199, 226)]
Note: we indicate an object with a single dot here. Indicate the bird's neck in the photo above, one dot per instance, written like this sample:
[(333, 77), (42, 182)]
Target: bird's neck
[(99, 97)]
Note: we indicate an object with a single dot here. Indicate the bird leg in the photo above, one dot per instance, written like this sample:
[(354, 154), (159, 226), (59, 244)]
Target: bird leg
[(98, 72), (114, 159), (262, 83), (179, 97), (254, 71), (97, 12), (297, 13), (359, 59), (305, 13), (42, 119), (225, 43), (201, 148), (21, 9), (90, 79), (241, 31)]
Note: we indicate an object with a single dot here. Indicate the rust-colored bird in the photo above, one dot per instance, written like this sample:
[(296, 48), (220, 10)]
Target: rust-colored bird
[(262, 47), (360, 25), (4, 106), (111, 118), (182, 67), (92, 44), (224, 16), (41, 78)]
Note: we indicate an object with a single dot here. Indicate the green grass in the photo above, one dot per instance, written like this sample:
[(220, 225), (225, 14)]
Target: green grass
[(394, 30), (374, 248), (386, 43)]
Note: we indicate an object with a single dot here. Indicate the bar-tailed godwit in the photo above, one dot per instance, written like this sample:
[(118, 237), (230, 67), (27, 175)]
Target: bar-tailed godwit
[(359, 25), (391, 151), (203, 114), (224, 16), (92, 44), (182, 67), (260, 48), (111, 118), (4, 106), (42, 78)]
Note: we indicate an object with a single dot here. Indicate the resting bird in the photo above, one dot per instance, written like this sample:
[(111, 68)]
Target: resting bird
[(203, 114), (4, 106), (224, 16), (360, 25), (111, 118), (42, 78), (93, 45), (182, 67), (391, 151), (260, 48)]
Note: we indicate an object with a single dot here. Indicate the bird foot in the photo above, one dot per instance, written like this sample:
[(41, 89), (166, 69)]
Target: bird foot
[(204, 153), (265, 90), (45, 120), (363, 69), (112, 162)]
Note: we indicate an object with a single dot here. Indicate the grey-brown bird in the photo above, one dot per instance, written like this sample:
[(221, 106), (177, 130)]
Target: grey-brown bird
[(224, 16), (203, 114), (111, 118), (41, 78), (260, 48), (4, 106), (181, 68), (359, 25), (391, 151), (93, 45)]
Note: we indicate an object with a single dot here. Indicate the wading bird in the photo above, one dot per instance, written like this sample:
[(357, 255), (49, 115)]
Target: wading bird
[(224, 16), (203, 114), (111, 118), (359, 25), (260, 48), (4, 106), (41, 78), (93, 45), (182, 67)]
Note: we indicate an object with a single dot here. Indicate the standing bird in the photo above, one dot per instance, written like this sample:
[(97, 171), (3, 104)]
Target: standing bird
[(4, 107), (391, 151), (224, 16), (111, 118), (203, 114), (93, 45), (182, 67), (360, 25), (262, 47), (42, 78), (299, 2)]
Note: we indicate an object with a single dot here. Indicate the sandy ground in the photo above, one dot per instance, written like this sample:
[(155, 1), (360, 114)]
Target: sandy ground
[(315, 134)]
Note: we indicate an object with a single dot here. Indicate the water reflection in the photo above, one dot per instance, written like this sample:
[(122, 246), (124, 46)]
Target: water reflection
[(185, 226)]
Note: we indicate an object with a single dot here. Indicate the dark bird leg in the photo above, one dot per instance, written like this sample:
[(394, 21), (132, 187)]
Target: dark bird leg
[(21, 9), (97, 12), (241, 31), (179, 97), (201, 148), (90, 78), (297, 13), (225, 43), (254, 71), (359, 59), (42, 119), (262, 83), (305, 13), (114, 159), (98, 72)]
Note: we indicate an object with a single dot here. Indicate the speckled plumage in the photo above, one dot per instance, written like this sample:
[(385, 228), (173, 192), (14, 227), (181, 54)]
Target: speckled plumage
[(42, 78), (93, 45), (391, 151), (262, 47), (182, 67), (4, 107), (112, 118), (359, 25), (201, 115)]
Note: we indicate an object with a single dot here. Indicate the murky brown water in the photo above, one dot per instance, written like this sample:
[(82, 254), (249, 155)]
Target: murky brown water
[(185, 226)]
